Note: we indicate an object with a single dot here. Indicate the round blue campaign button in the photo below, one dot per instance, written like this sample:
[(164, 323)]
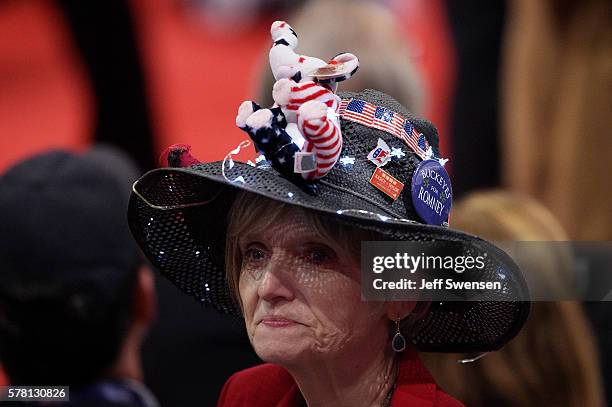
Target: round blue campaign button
[(432, 193)]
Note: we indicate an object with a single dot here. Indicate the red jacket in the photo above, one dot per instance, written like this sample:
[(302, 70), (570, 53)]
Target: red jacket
[(270, 385)]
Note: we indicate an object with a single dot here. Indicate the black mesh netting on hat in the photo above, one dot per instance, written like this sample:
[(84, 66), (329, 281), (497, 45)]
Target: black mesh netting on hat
[(179, 218)]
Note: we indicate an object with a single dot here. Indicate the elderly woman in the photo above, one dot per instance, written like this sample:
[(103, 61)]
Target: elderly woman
[(278, 243), (297, 277)]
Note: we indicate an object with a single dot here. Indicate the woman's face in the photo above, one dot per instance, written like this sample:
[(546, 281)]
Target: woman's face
[(301, 295)]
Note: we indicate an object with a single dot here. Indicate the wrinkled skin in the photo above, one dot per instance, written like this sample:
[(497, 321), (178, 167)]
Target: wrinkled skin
[(290, 272), (302, 306)]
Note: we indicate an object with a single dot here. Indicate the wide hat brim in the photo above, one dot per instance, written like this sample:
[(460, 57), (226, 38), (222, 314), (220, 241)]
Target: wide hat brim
[(179, 218)]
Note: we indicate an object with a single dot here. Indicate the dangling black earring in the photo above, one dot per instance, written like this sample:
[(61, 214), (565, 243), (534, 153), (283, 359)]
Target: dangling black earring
[(399, 342)]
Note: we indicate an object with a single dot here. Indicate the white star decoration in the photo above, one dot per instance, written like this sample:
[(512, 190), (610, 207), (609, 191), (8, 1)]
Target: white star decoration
[(347, 160), (281, 160), (397, 152), (429, 155)]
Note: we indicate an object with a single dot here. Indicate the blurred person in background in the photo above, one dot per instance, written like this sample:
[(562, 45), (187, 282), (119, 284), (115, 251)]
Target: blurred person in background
[(553, 361), (557, 87), (77, 73), (76, 298)]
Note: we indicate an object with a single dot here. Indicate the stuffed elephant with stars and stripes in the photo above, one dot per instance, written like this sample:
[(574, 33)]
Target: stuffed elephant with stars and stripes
[(300, 134)]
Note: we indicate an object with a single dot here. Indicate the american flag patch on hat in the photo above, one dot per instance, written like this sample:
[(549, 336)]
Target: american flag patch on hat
[(381, 118)]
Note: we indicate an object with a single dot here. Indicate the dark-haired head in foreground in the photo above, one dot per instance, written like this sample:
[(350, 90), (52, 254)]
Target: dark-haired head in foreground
[(75, 297)]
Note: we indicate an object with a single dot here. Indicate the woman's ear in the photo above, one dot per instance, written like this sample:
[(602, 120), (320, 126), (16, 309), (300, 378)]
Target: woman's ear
[(397, 310)]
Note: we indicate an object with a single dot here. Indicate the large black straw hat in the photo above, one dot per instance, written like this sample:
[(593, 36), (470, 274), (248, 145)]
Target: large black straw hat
[(179, 218)]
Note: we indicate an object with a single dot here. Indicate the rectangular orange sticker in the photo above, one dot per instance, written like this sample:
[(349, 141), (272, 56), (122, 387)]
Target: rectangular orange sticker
[(384, 181)]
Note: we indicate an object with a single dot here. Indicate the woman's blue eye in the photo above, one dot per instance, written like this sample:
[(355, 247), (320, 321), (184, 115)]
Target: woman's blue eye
[(318, 256), (254, 261), (255, 255)]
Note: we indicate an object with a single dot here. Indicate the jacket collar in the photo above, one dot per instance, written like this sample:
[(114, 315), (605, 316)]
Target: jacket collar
[(415, 385)]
